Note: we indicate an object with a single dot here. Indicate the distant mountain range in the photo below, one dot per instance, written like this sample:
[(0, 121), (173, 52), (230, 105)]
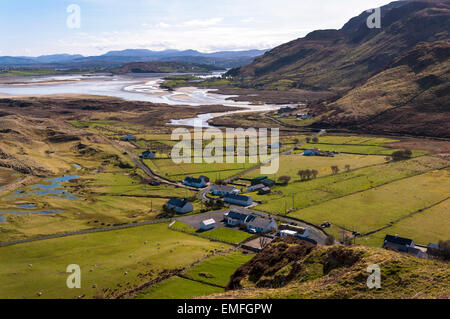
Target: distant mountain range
[(223, 59)]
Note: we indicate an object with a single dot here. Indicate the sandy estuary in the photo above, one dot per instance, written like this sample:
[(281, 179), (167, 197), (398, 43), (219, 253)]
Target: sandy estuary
[(131, 88)]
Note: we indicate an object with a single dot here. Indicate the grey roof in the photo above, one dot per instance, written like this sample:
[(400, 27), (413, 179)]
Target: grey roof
[(238, 197), (260, 222), (236, 215), (177, 202), (224, 188), (398, 240)]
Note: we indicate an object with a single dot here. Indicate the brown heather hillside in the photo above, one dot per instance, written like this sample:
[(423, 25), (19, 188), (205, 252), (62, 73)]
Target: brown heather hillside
[(341, 59), (412, 96), (294, 269)]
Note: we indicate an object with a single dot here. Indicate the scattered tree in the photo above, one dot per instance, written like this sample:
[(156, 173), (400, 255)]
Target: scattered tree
[(347, 168), (315, 139), (401, 155), (314, 173), (443, 252), (284, 180), (335, 170)]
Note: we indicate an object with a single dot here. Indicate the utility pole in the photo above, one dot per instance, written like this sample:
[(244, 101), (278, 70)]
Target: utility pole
[(293, 201)]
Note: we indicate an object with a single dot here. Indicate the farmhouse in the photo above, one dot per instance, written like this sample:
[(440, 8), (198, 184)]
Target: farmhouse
[(304, 116), (286, 109), (222, 190), (398, 243), (261, 225), (256, 187), (312, 152), (181, 206), (268, 182), (264, 191), (238, 200), (300, 232), (233, 218), (208, 224), (129, 138), (147, 155), (200, 182), (257, 180), (403, 245)]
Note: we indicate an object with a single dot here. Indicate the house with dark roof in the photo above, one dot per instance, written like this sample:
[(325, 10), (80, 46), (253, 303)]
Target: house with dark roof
[(222, 190), (200, 182), (257, 180), (256, 187), (181, 206), (268, 182), (233, 218), (264, 191), (129, 138), (240, 200), (261, 225), (398, 243), (147, 155)]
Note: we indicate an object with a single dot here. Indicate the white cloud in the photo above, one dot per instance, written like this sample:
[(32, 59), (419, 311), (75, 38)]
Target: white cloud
[(248, 20)]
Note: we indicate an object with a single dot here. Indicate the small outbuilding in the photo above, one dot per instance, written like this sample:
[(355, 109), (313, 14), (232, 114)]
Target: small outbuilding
[(208, 224), (129, 138), (147, 155)]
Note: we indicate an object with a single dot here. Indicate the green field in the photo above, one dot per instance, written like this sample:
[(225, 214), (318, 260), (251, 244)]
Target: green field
[(322, 189), (291, 164), (429, 226), (166, 167), (217, 270), (371, 209), (140, 252), (226, 235), (201, 278), (179, 288), (357, 149)]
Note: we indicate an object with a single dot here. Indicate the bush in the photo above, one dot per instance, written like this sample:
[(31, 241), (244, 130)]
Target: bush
[(401, 155), (443, 252)]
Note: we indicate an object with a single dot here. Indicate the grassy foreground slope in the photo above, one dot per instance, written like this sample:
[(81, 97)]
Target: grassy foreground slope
[(296, 270), (113, 261)]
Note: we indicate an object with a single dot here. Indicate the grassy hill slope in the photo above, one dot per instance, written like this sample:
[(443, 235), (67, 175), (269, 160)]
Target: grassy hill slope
[(293, 269), (341, 59)]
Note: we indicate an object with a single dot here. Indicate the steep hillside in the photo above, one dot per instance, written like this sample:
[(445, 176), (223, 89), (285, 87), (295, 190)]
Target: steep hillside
[(341, 59), (409, 97), (294, 269)]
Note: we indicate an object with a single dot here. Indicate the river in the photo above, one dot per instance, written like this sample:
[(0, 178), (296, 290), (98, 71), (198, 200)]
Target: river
[(129, 87)]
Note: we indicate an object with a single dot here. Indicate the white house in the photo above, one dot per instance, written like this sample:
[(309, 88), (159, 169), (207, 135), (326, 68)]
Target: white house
[(238, 200), (222, 190), (261, 225), (287, 233), (200, 182), (181, 206), (208, 224)]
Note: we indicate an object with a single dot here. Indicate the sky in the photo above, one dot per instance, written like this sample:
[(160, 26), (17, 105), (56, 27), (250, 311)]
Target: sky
[(40, 27)]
